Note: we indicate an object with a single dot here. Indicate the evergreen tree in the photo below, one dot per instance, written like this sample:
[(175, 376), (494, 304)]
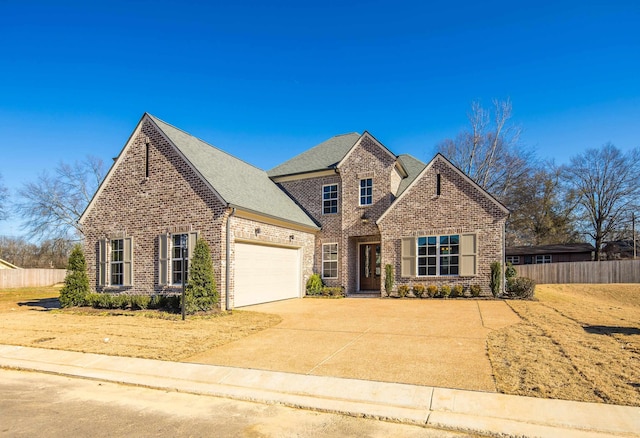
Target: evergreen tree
[(201, 292), (76, 282)]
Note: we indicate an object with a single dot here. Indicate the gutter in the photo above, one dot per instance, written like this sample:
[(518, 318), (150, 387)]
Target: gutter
[(269, 216), (228, 257)]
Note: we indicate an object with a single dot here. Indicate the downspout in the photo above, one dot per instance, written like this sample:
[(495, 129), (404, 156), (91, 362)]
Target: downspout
[(504, 257), (228, 260)]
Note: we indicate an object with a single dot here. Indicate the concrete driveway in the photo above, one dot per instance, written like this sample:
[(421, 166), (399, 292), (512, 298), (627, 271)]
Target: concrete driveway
[(425, 342)]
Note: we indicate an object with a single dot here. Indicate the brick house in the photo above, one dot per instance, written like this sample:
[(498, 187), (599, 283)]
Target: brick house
[(344, 209), (555, 253)]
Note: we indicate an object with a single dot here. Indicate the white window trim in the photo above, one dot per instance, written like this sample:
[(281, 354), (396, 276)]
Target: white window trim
[(337, 198), (336, 261), (437, 256), (360, 196), (544, 259), (514, 260)]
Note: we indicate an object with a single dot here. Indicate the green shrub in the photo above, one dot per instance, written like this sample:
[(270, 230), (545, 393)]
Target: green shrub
[(105, 301), (333, 291), (201, 293), (432, 290), (418, 290), (388, 279), (495, 278), (510, 272), (403, 290), (158, 302), (475, 290), (445, 291), (457, 290), (173, 303), (76, 282), (314, 285), (92, 300), (140, 302), (121, 301), (522, 288)]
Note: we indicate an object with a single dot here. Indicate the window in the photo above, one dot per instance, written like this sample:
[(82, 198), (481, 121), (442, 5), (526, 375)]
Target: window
[(366, 191), (543, 259), (178, 243), (330, 260), (330, 199), (439, 255), (514, 260), (117, 262), (170, 248)]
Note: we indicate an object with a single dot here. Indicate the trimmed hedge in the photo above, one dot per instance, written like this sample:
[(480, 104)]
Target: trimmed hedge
[(132, 302)]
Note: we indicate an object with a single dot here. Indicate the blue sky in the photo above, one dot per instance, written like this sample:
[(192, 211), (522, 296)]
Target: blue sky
[(267, 80)]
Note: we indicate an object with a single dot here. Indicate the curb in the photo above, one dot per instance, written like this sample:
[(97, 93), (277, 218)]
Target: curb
[(451, 409)]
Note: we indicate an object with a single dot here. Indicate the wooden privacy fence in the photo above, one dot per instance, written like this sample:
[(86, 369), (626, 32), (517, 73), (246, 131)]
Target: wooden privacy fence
[(30, 277), (613, 271)]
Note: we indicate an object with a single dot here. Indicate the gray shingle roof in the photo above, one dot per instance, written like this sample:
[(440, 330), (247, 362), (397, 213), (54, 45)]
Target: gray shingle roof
[(324, 156), (413, 167), (238, 183)]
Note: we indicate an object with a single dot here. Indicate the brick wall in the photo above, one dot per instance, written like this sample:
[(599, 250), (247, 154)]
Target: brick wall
[(460, 208), (308, 194), (173, 199), (367, 160)]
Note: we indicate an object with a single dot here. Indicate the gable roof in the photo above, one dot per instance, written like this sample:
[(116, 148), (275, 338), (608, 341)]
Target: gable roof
[(323, 156), (549, 249), (413, 167), (237, 183), (437, 157)]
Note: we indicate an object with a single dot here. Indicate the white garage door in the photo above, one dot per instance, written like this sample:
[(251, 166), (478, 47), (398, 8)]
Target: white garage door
[(265, 273)]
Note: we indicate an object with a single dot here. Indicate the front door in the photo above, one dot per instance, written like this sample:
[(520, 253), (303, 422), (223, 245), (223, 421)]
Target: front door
[(370, 266)]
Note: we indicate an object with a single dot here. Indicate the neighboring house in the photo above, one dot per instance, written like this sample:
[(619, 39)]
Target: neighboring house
[(6, 265), (343, 209), (567, 252), (620, 249)]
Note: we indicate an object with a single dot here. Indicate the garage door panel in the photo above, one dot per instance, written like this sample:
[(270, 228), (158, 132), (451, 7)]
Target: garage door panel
[(265, 273)]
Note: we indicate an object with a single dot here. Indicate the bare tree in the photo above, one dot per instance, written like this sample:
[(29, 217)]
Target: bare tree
[(51, 206), (489, 150), (4, 197), (46, 254), (605, 186), (539, 213)]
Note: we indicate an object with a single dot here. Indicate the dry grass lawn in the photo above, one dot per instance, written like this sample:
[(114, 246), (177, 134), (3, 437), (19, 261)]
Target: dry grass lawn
[(28, 317), (576, 342)]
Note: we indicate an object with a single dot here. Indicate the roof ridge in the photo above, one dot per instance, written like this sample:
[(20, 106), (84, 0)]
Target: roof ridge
[(312, 153), (206, 142), (346, 133)]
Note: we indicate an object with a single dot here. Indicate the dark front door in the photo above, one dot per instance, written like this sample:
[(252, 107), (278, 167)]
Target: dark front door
[(370, 266)]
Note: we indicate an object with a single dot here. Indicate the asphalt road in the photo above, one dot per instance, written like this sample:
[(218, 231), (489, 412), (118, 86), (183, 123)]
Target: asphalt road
[(33, 404)]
